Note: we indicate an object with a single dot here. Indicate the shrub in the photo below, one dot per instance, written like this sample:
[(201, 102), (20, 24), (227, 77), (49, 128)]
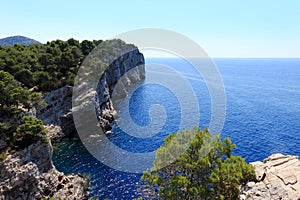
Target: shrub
[(206, 170), (29, 131), (3, 156)]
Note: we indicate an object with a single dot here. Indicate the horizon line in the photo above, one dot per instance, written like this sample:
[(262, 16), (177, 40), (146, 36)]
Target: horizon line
[(220, 57)]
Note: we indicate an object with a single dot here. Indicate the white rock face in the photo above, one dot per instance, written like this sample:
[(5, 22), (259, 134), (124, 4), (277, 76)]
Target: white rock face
[(279, 177), (30, 174), (105, 109)]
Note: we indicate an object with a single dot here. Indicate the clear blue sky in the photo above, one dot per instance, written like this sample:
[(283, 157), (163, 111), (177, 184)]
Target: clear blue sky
[(253, 28)]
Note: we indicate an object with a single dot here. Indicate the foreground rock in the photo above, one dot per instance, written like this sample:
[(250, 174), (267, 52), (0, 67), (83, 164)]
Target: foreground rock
[(279, 177), (30, 174)]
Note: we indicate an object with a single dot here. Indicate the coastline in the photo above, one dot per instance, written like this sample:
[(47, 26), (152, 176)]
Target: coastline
[(30, 172)]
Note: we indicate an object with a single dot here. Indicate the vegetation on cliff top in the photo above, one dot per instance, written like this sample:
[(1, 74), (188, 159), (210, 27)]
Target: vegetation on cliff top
[(28, 71), (47, 66)]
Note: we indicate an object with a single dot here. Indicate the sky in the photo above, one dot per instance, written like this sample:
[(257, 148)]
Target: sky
[(231, 28)]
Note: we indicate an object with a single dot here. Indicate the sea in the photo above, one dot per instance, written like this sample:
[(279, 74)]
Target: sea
[(262, 117)]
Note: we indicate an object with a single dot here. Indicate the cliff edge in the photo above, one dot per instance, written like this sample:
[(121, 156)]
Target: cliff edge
[(279, 178)]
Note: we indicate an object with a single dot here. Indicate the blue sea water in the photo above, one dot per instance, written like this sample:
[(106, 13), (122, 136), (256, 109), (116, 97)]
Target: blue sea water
[(262, 118)]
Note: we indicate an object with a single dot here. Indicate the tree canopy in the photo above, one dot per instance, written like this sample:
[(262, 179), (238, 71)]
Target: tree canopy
[(48, 66), (206, 170), (29, 131), (25, 73), (11, 91)]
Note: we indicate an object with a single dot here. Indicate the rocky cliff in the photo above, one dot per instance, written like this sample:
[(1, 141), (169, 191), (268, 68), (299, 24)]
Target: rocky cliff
[(30, 174), (128, 62), (279, 177), (57, 112)]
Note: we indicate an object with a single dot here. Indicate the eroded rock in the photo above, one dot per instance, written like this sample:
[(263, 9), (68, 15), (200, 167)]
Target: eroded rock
[(30, 174), (281, 179)]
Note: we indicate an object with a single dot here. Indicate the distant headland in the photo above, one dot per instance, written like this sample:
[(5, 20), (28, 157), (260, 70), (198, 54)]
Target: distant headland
[(12, 40)]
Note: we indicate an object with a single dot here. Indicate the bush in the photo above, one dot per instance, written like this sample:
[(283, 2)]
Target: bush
[(11, 91), (46, 140), (206, 170), (3, 156), (29, 131)]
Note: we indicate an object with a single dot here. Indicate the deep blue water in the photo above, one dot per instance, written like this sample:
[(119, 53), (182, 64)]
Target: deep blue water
[(262, 118)]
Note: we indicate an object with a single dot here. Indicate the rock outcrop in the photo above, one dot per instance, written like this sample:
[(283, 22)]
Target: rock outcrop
[(30, 174), (279, 178)]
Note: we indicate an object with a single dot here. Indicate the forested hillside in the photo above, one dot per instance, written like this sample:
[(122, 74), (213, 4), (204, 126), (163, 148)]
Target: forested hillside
[(47, 66), (25, 73)]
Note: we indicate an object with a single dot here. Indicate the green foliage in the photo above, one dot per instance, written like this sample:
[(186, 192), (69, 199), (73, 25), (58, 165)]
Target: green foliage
[(3, 156), (25, 76), (29, 131), (42, 67), (46, 140), (36, 99), (204, 170), (11, 91), (87, 47), (51, 198), (4, 128), (13, 96), (48, 66)]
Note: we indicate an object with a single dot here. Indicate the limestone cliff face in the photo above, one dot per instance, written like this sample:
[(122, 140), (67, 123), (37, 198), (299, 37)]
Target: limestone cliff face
[(104, 105), (57, 113), (30, 174), (279, 177)]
